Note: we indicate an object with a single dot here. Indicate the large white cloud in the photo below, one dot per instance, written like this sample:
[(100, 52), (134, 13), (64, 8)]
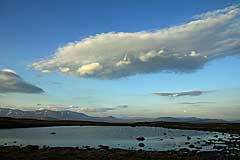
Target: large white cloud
[(182, 48)]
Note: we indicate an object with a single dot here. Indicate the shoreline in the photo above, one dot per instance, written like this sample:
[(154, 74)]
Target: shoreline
[(64, 153), (9, 123)]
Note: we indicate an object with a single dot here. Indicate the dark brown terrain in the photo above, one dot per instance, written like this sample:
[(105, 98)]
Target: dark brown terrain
[(60, 153)]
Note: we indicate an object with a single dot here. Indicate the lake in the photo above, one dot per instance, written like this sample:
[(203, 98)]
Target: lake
[(156, 138)]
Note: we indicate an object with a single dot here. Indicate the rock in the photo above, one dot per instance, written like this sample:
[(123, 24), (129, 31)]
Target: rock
[(184, 150), (189, 138), (198, 148), (31, 147), (218, 147), (209, 143), (53, 133), (191, 146), (216, 136), (103, 147), (140, 138), (14, 141), (86, 147), (187, 142), (141, 145), (45, 146), (164, 133), (14, 148)]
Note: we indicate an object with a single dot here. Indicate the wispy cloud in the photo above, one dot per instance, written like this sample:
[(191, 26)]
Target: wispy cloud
[(59, 107), (179, 94), (194, 103), (183, 48), (102, 110), (95, 110), (11, 82), (122, 106)]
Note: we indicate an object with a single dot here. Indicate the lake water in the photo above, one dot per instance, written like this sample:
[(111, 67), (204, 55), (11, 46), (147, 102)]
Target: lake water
[(156, 138)]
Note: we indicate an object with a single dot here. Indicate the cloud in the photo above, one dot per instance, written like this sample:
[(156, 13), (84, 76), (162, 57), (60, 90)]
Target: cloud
[(194, 54), (97, 110), (101, 110), (59, 107), (122, 106), (179, 94), (11, 82), (193, 103), (123, 63), (89, 69), (64, 69), (9, 71), (55, 107), (45, 71), (149, 55), (183, 48)]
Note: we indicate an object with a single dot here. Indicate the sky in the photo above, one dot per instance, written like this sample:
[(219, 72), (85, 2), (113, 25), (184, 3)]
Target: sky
[(122, 58)]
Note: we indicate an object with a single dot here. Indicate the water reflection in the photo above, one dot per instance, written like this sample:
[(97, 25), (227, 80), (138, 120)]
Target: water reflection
[(156, 138)]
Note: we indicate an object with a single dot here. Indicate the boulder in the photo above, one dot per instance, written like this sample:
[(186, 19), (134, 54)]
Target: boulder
[(103, 147), (140, 138), (191, 146), (141, 145), (184, 150), (218, 147)]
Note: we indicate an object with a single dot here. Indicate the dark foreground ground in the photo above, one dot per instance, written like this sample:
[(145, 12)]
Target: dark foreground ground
[(34, 153), (230, 152), (26, 123)]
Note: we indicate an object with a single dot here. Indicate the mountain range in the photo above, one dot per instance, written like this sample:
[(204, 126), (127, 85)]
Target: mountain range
[(71, 115)]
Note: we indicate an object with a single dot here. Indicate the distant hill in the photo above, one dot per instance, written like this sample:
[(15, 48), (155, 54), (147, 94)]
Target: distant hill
[(53, 115), (190, 120), (70, 115)]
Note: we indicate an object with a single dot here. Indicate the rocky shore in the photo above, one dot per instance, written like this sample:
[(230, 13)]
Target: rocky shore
[(70, 153), (223, 150)]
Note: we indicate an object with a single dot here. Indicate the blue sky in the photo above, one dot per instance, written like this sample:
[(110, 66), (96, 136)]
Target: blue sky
[(32, 34)]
